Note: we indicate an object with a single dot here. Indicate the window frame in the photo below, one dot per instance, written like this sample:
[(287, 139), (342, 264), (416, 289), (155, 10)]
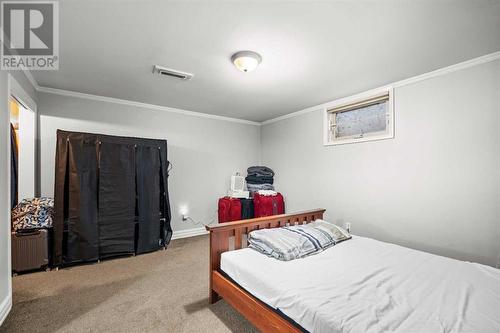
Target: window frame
[(328, 140)]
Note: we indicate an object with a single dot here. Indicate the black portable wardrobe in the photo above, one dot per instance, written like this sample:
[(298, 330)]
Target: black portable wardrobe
[(110, 197)]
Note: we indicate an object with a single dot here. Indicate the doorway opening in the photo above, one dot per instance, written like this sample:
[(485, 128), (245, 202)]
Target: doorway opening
[(23, 143)]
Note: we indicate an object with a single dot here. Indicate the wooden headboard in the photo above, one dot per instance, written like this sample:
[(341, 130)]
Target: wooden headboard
[(233, 235)]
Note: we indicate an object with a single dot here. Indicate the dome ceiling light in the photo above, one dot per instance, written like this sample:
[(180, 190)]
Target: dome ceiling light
[(246, 61)]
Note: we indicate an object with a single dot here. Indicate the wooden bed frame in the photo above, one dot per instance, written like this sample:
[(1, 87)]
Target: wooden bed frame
[(232, 236)]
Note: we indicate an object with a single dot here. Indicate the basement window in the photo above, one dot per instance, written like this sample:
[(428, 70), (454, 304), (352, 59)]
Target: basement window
[(360, 120)]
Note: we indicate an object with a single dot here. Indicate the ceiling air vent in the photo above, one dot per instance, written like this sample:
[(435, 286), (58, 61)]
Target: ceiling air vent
[(172, 72)]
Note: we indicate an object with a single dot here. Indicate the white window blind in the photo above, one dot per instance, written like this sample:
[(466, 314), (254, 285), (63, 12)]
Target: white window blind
[(361, 120)]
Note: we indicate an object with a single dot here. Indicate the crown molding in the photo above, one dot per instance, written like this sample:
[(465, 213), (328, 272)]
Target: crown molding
[(449, 69), (70, 93), (438, 72), (30, 78), (99, 98)]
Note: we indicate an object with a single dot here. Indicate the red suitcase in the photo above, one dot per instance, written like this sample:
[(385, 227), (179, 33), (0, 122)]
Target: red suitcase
[(229, 209), (265, 205)]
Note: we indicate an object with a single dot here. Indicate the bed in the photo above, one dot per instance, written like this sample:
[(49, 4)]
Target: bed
[(360, 285)]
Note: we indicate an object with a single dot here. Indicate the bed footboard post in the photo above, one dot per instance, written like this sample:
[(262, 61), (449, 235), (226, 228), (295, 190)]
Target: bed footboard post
[(217, 241)]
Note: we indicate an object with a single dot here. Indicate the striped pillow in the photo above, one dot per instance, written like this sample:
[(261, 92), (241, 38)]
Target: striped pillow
[(288, 243)]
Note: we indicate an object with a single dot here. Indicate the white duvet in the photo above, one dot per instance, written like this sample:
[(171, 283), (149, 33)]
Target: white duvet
[(363, 285)]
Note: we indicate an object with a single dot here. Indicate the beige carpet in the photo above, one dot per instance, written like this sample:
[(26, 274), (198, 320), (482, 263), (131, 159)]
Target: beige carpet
[(165, 291)]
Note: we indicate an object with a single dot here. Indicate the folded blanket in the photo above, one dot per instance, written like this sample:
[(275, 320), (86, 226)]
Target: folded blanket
[(260, 171), (289, 243), (259, 187), (259, 180)]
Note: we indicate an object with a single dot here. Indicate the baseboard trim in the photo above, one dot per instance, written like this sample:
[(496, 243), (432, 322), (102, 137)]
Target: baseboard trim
[(189, 233), (5, 307)]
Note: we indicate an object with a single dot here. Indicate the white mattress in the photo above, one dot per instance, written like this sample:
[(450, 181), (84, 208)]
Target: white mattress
[(363, 285)]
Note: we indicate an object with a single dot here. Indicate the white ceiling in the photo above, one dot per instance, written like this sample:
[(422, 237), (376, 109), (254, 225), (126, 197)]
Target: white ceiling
[(313, 52)]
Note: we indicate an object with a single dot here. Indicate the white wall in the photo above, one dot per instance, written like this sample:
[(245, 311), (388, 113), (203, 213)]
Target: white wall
[(204, 152), (435, 187), (5, 266)]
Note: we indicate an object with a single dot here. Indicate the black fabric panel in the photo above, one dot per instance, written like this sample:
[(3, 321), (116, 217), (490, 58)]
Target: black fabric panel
[(148, 192), (60, 197), (166, 229), (81, 244), (116, 199), (116, 196)]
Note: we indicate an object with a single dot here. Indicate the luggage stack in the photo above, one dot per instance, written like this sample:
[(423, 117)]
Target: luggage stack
[(259, 178), (265, 200), (31, 234)]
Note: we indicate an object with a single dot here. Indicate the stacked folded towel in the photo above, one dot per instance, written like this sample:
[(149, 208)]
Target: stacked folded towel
[(260, 178), (252, 188), (267, 193)]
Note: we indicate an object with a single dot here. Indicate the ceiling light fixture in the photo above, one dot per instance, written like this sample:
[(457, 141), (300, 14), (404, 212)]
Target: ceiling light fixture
[(246, 61)]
